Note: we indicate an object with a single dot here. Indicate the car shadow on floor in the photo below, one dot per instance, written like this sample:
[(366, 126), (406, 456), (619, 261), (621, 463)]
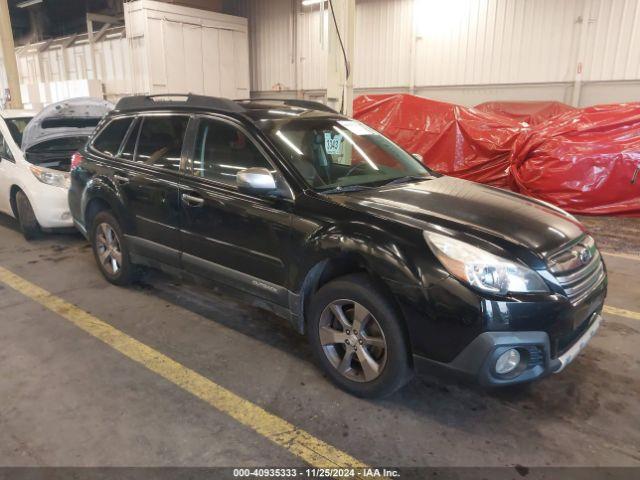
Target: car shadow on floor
[(64, 233), (217, 306), (573, 395)]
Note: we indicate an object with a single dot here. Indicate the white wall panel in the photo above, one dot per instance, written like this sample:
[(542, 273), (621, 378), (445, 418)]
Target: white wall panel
[(383, 32), (312, 41), (476, 42), (486, 45), (465, 50), (272, 43), (614, 40)]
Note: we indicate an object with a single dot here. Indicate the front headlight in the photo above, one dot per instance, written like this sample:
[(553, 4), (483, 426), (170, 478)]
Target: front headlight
[(483, 270), (51, 177)]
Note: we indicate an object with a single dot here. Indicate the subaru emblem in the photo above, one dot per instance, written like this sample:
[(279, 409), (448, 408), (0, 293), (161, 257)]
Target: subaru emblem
[(585, 255)]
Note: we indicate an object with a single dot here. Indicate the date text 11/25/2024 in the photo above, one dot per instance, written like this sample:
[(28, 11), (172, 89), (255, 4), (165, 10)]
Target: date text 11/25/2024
[(316, 472)]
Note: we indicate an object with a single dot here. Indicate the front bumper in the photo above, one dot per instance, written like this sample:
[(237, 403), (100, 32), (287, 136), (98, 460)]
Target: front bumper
[(558, 364), (478, 359), (50, 205)]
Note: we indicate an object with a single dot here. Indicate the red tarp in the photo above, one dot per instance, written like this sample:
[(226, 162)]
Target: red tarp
[(453, 140), (582, 160), (532, 113)]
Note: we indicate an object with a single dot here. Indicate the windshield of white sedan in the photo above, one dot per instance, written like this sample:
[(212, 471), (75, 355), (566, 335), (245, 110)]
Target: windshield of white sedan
[(333, 155), (16, 127)]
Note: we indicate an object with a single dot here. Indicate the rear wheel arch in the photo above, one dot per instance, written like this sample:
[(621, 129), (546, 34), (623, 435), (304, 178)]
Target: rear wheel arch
[(98, 199), (93, 208)]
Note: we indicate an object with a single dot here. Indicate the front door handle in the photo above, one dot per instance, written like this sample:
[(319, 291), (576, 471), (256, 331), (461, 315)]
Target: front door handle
[(192, 201), (120, 179)]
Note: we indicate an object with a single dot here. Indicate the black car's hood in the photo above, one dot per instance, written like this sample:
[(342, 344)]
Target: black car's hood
[(477, 209)]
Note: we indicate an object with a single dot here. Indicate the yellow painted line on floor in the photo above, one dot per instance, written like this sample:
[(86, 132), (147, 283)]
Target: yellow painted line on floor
[(621, 312), (627, 256), (312, 450)]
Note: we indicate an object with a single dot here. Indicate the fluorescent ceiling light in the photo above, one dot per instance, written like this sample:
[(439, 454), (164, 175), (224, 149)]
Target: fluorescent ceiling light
[(28, 3), (284, 138), (357, 147), (306, 3)]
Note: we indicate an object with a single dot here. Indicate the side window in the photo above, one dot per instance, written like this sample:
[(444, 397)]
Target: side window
[(129, 148), (160, 141), (5, 150), (222, 151), (108, 141)]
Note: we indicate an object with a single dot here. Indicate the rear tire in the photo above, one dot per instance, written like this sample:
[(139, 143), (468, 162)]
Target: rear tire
[(27, 218), (110, 250), (364, 349)]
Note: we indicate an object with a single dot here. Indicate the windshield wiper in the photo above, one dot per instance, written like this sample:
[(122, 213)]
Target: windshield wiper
[(347, 188), (405, 179)]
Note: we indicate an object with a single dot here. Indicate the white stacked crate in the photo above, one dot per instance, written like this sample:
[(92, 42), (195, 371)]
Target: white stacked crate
[(176, 49)]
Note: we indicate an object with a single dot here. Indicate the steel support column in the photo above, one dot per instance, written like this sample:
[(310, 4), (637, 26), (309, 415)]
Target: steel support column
[(9, 56), (339, 62)]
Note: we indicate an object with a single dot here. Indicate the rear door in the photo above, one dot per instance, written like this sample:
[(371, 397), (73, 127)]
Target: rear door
[(229, 236), (151, 183), (147, 175)]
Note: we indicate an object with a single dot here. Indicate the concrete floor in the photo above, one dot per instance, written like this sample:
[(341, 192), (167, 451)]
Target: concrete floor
[(69, 400)]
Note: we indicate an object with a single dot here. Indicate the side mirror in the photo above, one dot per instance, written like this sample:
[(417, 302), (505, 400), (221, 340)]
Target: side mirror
[(417, 156), (256, 181)]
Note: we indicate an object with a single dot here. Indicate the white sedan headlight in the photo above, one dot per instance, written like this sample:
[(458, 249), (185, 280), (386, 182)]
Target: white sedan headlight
[(51, 177), (483, 270)]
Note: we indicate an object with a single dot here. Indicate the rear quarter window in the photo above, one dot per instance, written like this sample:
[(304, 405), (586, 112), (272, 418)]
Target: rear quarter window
[(110, 137)]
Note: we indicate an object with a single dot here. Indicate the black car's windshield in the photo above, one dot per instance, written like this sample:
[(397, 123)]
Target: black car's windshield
[(16, 127), (332, 154)]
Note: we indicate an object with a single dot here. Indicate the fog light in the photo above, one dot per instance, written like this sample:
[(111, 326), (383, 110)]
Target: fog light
[(508, 361)]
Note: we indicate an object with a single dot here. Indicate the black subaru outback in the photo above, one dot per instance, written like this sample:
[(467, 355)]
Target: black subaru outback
[(386, 266)]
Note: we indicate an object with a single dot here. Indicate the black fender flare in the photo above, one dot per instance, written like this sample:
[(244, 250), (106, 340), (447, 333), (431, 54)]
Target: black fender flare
[(351, 246)]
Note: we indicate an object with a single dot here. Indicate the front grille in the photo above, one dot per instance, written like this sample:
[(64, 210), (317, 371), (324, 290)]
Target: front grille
[(578, 269)]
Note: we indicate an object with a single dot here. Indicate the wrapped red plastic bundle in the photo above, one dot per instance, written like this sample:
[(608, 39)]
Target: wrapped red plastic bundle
[(454, 140), (532, 112), (586, 161)]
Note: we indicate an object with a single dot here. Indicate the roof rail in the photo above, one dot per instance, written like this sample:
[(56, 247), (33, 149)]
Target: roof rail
[(292, 102), (172, 100)]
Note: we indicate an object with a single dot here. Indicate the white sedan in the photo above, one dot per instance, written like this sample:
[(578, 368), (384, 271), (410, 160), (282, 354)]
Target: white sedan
[(35, 159)]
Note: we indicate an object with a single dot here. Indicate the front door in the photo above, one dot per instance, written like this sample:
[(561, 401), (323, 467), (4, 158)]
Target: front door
[(229, 236)]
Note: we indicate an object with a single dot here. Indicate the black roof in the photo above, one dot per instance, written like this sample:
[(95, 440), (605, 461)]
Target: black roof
[(201, 102)]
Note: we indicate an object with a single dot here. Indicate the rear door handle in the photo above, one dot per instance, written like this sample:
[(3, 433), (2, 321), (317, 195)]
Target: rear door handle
[(120, 179), (192, 201)]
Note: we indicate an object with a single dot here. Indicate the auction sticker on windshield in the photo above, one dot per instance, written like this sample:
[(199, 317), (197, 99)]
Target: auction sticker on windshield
[(333, 143)]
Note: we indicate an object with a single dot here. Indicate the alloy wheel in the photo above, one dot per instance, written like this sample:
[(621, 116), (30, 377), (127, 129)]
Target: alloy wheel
[(353, 340), (108, 248)]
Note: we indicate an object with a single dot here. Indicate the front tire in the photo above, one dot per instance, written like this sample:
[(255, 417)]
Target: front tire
[(358, 338), (110, 250), (27, 218)]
